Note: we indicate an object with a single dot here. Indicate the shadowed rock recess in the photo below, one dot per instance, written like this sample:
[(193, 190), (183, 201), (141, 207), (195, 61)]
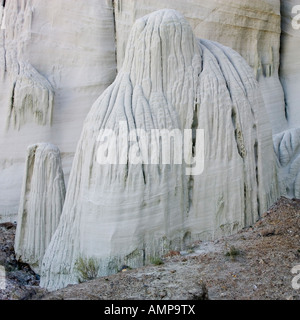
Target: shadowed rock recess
[(128, 214)]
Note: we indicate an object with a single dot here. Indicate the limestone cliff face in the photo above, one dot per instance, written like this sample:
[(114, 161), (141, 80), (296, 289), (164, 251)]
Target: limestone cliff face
[(42, 199), (56, 58), (251, 28), (30, 94), (127, 214)]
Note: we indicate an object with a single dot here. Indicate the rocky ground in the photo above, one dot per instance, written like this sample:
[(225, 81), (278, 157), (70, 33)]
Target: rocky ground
[(255, 264), (21, 282)]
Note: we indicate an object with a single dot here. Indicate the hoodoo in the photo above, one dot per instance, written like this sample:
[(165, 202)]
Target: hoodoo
[(128, 214), (42, 199)]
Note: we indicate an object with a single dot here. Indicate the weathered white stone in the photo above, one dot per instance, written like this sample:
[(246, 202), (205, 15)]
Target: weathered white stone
[(287, 142), (69, 47), (252, 28), (290, 62), (56, 58), (31, 98), (127, 214), (2, 18), (287, 148), (42, 199)]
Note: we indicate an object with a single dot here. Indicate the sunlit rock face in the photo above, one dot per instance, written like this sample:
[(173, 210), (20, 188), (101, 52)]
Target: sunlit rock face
[(252, 28), (56, 58), (130, 213), (42, 199)]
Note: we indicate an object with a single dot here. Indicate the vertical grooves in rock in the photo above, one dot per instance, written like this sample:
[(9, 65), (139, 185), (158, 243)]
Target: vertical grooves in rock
[(41, 203), (32, 93), (115, 3), (2, 29), (129, 221)]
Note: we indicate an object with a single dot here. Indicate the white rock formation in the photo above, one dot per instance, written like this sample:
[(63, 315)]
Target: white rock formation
[(129, 213), (31, 98), (2, 17), (252, 28), (287, 148), (26, 86), (287, 142), (64, 54), (290, 62), (56, 58), (42, 199)]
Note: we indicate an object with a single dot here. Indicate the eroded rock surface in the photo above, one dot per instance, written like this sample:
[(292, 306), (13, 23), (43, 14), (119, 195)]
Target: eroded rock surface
[(287, 142), (252, 28), (41, 204), (128, 214), (56, 58), (290, 64)]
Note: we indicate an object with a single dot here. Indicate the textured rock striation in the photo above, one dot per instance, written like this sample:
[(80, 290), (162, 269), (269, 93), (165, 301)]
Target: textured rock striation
[(31, 98), (290, 63), (287, 142), (42, 200), (132, 212), (56, 58), (252, 28), (2, 17), (287, 148), (31, 95)]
